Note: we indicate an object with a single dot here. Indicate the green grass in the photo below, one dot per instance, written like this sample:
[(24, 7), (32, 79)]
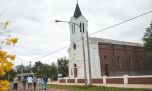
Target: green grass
[(94, 88)]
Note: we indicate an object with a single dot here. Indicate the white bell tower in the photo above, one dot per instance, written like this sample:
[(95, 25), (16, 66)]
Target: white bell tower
[(78, 28)]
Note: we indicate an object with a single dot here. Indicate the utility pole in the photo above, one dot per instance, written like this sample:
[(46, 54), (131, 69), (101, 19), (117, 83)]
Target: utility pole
[(89, 62), (30, 67), (21, 71), (85, 75)]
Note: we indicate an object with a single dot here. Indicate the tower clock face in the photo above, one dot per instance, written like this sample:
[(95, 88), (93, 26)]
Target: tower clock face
[(74, 46)]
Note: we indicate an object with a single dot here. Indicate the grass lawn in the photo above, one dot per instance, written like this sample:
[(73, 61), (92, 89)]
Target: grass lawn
[(94, 88)]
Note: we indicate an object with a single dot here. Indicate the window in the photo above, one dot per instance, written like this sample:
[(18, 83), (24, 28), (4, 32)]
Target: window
[(82, 27), (119, 62), (105, 56), (74, 46), (73, 28)]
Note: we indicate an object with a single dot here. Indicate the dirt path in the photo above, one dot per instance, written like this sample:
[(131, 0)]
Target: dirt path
[(48, 89)]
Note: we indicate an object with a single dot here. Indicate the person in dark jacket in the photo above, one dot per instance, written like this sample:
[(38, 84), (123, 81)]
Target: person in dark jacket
[(45, 80), (34, 82), (24, 80)]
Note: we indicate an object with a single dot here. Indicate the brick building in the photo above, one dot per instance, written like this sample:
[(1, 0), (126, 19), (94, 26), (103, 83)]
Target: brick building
[(118, 58), (107, 57)]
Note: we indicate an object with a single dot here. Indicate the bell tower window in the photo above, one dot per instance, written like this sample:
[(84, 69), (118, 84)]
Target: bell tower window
[(73, 28), (82, 27)]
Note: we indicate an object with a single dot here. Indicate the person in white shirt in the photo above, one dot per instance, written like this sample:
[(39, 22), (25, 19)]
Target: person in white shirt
[(29, 80), (39, 83)]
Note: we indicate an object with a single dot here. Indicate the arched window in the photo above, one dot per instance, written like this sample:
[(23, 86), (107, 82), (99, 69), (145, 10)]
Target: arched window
[(75, 71), (105, 57), (119, 62), (75, 65), (74, 46)]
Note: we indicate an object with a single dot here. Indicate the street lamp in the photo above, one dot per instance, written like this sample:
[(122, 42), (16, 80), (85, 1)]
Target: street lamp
[(85, 76)]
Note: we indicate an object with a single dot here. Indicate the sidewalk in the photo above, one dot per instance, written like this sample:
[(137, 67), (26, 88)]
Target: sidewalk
[(146, 86)]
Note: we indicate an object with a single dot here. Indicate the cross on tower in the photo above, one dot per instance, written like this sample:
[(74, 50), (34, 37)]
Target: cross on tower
[(77, 1)]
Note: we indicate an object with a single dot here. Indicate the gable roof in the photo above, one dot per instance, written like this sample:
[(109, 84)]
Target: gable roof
[(102, 40)]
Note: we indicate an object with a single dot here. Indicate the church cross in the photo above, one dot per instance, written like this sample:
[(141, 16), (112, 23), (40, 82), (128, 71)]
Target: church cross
[(77, 1)]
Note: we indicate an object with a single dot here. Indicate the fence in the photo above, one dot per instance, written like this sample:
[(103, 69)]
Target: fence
[(145, 79)]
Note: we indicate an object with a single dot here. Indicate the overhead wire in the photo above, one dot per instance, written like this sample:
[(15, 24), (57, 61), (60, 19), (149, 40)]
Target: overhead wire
[(97, 32)]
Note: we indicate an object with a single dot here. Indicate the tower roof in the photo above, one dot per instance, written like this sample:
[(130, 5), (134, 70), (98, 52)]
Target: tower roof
[(77, 12)]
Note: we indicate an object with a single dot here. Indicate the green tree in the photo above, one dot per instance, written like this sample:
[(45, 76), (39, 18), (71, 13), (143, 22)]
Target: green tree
[(63, 66), (148, 38), (38, 65), (148, 48)]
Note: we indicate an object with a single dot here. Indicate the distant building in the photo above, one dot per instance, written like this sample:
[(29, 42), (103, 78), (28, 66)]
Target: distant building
[(108, 57)]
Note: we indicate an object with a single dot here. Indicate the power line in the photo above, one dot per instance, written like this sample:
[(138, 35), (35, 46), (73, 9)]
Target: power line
[(52, 52), (98, 32), (121, 22)]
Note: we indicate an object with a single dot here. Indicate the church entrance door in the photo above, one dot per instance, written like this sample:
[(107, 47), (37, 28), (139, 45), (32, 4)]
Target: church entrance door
[(75, 70), (107, 69)]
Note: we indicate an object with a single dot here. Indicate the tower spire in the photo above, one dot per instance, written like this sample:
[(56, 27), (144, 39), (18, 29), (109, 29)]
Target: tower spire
[(77, 12)]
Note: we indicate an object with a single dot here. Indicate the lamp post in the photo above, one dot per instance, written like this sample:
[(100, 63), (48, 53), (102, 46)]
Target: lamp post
[(85, 76)]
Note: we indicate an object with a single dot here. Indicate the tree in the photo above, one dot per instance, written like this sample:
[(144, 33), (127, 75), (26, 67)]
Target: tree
[(5, 58), (63, 66), (148, 48), (52, 70), (38, 65), (148, 38)]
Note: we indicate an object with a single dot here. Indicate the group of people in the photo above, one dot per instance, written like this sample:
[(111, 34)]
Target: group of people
[(31, 82)]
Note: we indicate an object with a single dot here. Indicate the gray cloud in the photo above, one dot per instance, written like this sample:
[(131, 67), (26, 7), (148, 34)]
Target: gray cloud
[(32, 21)]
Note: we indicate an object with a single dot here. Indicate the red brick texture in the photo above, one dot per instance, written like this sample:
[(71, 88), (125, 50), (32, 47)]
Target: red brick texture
[(114, 81), (147, 80), (97, 80), (70, 80), (62, 81), (80, 80), (118, 60)]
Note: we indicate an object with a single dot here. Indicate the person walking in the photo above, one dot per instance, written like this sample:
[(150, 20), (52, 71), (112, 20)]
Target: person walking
[(45, 79), (29, 80), (24, 80), (39, 81), (15, 83), (34, 82)]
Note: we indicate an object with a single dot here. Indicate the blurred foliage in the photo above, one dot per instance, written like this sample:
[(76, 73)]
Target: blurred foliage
[(5, 58)]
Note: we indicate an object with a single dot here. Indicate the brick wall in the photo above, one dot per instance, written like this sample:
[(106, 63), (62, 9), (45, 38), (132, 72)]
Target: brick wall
[(114, 81), (140, 80), (97, 80), (121, 60), (146, 79)]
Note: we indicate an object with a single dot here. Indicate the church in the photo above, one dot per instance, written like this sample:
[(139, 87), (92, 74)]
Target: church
[(107, 57)]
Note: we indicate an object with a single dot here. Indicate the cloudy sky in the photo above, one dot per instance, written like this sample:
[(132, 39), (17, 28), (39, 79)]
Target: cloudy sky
[(32, 21)]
